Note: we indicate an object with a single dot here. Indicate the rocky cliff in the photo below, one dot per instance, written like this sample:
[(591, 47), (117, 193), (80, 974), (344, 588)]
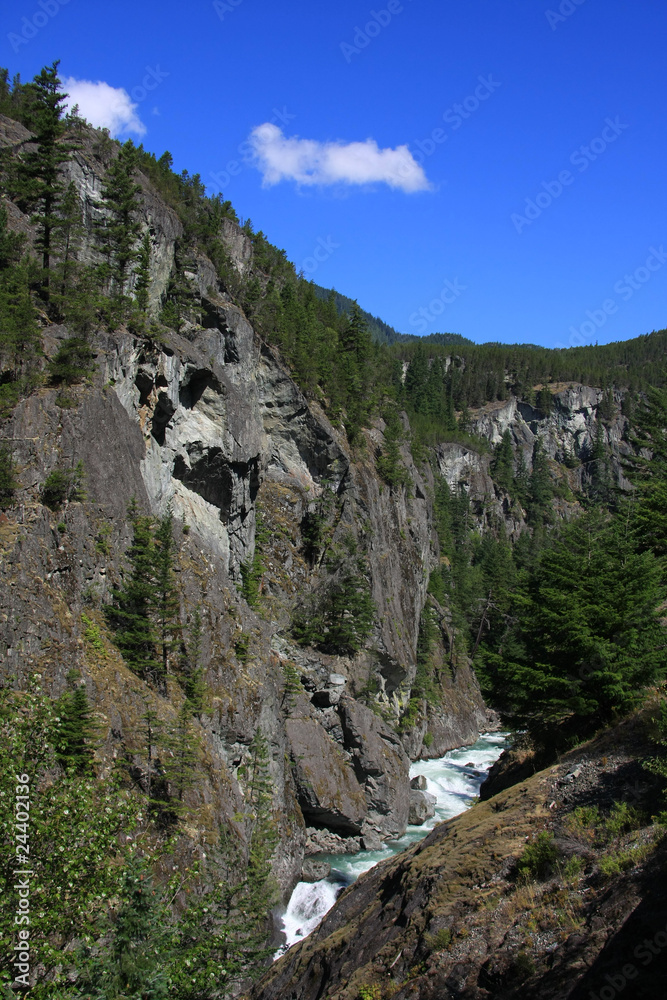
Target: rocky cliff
[(208, 423)]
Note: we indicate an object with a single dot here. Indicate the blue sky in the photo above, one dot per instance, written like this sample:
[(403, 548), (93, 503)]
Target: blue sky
[(533, 212)]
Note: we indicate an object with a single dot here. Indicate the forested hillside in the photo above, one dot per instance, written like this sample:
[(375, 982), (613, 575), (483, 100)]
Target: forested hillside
[(221, 488)]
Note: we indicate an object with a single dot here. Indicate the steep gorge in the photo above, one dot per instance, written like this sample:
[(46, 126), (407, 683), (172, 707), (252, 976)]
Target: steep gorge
[(209, 423)]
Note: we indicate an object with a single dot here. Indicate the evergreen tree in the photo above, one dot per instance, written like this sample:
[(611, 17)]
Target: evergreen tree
[(292, 686), (68, 231), (117, 233), (589, 637), (599, 487), (77, 731), (39, 184), (356, 348), (8, 480), (390, 465), (143, 272), (180, 767), (521, 479), (73, 362), (132, 965), (165, 600), (502, 468), (540, 488), (63, 486), (131, 611), (649, 474), (145, 610), (19, 334)]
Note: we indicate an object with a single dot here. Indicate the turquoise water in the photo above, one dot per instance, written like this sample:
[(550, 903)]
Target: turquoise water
[(454, 780)]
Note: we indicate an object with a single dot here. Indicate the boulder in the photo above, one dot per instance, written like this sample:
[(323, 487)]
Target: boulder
[(326, 842), (422, 807), (315, 871), (371, 840), (327, 789), (419, 783)]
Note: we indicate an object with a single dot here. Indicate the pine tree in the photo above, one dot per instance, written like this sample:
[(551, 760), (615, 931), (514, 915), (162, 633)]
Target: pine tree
[(39, 184), (502, 468), (8, 480), (145, 610), (180, 767), (599, 487), (540, 488), (68, 231), (589, 631), (143, 272), (292, 686), (165, 600), (259, 891), (73, 362), (133, 964), (521, 479), (131, 611), (356, 347), (77, 731), (19, 334), (117, 233), (390, 465), (649, 474)]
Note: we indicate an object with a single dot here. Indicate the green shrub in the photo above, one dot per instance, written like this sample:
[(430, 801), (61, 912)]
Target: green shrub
[(8, 482), (538, 859), (622, 819), (73, 362), (440, 940), (523, 966), (63, 485), (372, 992), (242, 647)]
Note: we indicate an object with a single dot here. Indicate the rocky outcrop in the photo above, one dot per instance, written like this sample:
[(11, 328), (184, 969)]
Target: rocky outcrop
[(350, 770), (422, 807), (567, 433), (381, 766), (327, 789)]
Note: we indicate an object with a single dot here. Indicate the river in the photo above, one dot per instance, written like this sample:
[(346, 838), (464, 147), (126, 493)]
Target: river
[(454, 780)]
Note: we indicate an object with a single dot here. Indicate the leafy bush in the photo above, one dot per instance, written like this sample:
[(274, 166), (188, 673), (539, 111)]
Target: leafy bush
[(340, 619), (73, 363), (242, 647), (63, 486), (440, 940), (8, 481), (538, 859)]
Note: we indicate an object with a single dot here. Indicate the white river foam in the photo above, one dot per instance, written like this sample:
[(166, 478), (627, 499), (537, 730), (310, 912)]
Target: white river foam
[(454, 779)]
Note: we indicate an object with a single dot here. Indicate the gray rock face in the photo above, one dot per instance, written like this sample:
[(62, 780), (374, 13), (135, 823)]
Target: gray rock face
[(381, 766), (327, 790)]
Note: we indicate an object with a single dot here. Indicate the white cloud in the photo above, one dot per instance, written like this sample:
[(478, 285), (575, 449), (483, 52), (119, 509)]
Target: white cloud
[(310, 162), (104, 106)]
